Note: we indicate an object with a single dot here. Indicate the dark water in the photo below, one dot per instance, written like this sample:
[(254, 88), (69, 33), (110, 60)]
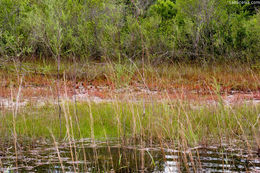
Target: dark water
[(101, 158)]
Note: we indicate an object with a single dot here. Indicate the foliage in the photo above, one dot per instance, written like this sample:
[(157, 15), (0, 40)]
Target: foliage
[(13, 30), (120, 30), (165, 8)]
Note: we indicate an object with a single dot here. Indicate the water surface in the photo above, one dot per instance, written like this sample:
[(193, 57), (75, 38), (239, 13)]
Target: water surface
[(112, 156)]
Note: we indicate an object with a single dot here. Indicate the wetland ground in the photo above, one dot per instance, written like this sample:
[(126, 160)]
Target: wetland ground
[(126, 118)]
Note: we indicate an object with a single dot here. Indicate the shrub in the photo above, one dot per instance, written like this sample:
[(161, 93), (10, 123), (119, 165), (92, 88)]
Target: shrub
[(120, 30)]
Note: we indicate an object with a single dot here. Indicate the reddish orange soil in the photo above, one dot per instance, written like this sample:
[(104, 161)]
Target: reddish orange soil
[(38, 87)]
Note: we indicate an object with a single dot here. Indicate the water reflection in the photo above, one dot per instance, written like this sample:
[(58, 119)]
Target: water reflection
[(84, 157)]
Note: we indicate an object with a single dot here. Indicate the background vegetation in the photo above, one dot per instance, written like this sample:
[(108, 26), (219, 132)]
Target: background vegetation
[(153, 31)]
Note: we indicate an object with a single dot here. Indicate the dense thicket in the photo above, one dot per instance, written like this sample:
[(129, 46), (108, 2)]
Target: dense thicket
[(128, 29)]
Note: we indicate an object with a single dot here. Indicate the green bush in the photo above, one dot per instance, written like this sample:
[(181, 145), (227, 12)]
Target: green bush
[(13, 31), (120, 30), (165, 8)]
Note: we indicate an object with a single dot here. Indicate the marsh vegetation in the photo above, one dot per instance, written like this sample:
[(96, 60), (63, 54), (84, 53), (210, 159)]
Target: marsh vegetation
[(129, 86)]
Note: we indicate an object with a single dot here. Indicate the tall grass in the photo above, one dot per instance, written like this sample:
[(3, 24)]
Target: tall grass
[(168, 124), (233, 76), (167, 121)]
